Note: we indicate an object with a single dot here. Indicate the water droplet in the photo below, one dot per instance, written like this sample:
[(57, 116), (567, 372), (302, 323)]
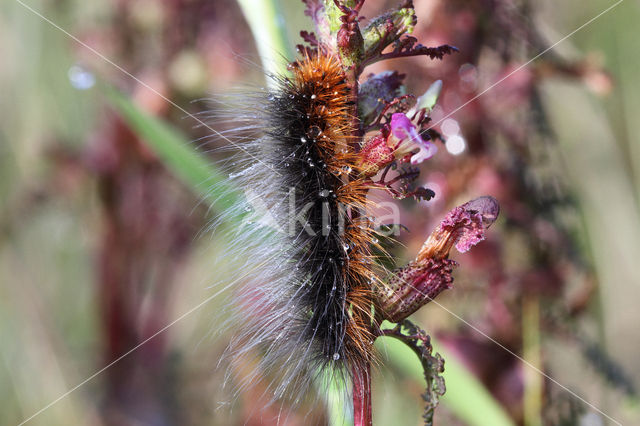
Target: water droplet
[(314, 132), (346, 169), (336, 356), (346, 247), (303, 139), (324, 193), (247, 209), (313, 96), (374, 240)]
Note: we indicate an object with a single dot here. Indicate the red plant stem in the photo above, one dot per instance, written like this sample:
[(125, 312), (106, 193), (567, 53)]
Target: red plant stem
[(362, 397), (351, 77)]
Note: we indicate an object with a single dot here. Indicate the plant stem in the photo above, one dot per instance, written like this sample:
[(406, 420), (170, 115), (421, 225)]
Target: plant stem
[(534, 384), (433, 366), (362, 397)]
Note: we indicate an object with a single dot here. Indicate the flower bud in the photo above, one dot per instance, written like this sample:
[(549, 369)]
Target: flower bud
[(386, 29)]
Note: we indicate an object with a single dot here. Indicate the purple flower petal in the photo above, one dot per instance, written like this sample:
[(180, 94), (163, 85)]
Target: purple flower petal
[(401, 125), (426, 152), (406, 132)]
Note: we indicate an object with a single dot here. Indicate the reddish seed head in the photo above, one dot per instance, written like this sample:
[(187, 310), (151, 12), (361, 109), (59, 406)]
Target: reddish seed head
[(464, 227), (429, 274)]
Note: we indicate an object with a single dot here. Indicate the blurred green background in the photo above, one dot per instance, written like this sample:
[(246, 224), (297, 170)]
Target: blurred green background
[(101, 244)]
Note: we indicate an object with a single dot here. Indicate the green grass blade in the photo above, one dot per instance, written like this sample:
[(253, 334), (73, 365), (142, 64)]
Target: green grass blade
[(176, 153), (267, 25)]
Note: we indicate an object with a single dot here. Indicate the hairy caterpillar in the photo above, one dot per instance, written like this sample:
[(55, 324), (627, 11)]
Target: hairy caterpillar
[(310, 311)]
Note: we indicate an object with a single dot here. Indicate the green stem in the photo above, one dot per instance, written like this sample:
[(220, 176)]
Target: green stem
[(432, 365)]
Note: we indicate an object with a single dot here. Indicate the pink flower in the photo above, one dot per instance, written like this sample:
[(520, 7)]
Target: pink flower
[(407, 140)]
